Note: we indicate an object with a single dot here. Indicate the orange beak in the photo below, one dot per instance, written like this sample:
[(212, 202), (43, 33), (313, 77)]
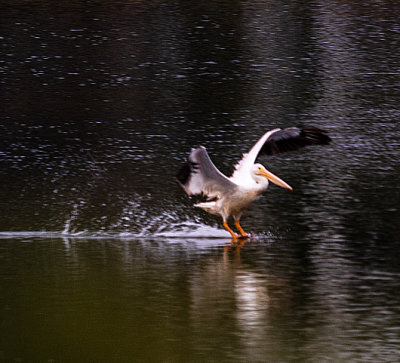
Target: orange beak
[(274, 179)]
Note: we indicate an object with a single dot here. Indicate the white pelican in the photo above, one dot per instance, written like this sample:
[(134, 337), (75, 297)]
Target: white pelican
[(231, 196)]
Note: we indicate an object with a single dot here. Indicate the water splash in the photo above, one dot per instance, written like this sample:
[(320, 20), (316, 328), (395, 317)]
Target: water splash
[(166, 225), (178, 231), (136, 220), (68, 230)]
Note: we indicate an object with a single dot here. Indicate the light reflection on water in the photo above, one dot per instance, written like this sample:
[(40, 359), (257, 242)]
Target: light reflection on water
[(177, 299)]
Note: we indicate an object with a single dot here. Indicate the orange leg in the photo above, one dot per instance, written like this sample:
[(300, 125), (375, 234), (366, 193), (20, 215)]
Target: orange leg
[(240, 229), (233, 234)]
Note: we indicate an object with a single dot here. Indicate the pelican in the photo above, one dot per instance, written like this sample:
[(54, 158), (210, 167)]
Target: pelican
[(230, 197)]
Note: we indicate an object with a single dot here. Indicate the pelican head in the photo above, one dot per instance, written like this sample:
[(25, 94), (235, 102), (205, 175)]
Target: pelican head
[(259, 170)]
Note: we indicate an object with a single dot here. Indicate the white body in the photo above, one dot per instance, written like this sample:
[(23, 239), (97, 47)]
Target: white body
[(238, 200)]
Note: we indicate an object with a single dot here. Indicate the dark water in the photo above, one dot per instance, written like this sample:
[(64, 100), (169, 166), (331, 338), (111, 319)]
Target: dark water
[(100, 253)]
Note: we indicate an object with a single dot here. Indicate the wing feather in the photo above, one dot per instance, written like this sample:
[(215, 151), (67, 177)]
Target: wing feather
[(294, 138), (242, 175), (198, 175), (275, 142)]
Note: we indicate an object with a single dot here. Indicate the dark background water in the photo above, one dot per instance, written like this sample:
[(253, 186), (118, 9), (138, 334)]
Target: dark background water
[(101, 102)]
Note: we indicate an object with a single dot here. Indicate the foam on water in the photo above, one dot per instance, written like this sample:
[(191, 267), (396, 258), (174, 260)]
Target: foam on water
[(179, 231), (190, 229)]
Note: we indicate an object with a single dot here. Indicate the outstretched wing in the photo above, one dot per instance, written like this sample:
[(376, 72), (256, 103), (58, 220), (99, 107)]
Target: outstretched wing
[(198, 175), (278, 141), (294, 138)]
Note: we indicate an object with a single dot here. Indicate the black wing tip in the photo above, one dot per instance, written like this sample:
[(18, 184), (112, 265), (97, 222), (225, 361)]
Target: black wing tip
[(186, 170), (315, 135), (189, 167), (293, 138)]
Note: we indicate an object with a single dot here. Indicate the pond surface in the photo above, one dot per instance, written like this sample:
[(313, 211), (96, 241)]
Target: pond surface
[(102, 255)]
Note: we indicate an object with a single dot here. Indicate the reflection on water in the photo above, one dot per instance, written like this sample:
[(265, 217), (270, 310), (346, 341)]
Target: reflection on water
[(160, 299), (101, 103)]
